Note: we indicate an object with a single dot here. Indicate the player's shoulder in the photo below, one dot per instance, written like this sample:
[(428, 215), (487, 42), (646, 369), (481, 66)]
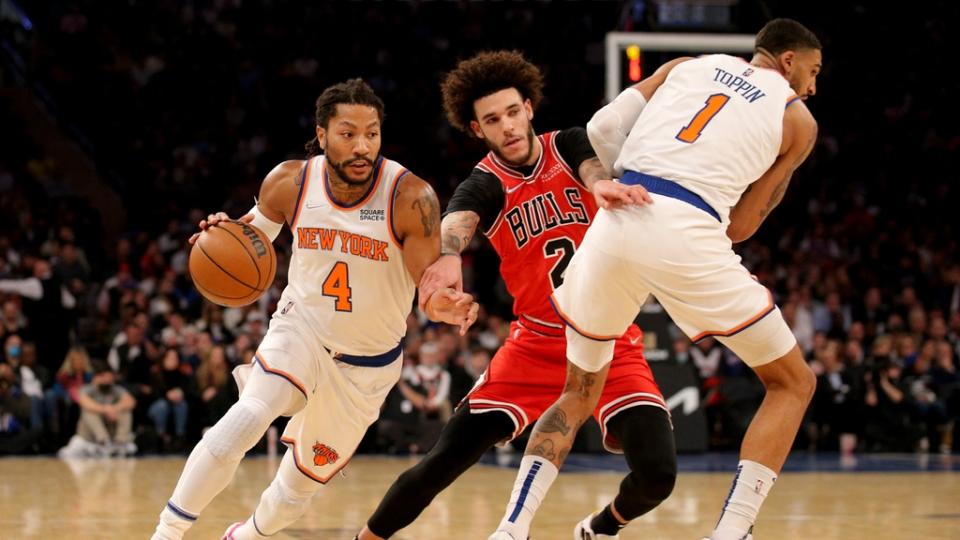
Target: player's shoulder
[(799, 116), (411, 188), (285, 172)]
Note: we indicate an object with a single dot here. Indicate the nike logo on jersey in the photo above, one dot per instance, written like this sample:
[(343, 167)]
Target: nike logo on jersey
[(314, 205), (633, 341), (325, 239)]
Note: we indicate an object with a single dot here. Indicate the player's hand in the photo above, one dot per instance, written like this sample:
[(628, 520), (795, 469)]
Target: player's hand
[(212, 221), (444, 272), (453, 307), (610, 194)]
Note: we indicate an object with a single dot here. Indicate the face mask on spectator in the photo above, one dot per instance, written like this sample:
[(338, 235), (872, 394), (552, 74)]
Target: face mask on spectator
[(13, 351), (105, 388)]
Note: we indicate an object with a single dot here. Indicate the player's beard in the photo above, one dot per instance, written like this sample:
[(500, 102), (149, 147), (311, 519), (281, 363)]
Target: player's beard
[(523, 161), (341, 170)]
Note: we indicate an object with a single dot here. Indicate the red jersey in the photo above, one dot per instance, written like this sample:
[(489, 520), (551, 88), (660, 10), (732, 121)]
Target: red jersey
[(543, 220)]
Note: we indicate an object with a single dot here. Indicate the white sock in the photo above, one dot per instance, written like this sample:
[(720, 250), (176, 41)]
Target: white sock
[(750, 488), (203, 477), (284, 501), (534, 478)]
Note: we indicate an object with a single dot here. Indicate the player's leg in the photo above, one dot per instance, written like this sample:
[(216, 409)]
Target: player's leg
[(462, 442), (598, 301), (284, 501), (790, 384), (646, 438), (214, 460)]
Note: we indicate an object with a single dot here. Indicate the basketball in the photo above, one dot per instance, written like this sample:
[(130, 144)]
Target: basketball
[(232, 263)]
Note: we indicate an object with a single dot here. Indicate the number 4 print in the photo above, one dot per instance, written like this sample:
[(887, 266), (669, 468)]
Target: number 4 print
[(691, 132), (337, 285)]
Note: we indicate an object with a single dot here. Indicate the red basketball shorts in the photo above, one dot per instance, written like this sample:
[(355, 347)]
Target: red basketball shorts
[(527, 375)]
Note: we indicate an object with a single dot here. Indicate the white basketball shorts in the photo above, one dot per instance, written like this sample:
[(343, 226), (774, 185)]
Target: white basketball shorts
[(682, 256)]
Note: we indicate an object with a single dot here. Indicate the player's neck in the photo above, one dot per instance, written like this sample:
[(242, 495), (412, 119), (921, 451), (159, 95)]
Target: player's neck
[(766, 60), (346, 192), (537, 150)]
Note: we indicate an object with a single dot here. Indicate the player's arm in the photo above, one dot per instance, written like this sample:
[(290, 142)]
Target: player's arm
[(417, 222), (609, 127), (477, 202), (575, 149), (763, 195), (276, 204)]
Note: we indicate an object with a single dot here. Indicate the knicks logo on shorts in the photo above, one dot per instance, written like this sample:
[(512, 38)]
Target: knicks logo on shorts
[(324, 455)]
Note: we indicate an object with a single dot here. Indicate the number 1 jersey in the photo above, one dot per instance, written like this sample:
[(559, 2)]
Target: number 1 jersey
[(714, 127)]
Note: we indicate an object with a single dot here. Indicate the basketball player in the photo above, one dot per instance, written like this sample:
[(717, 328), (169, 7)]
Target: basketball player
[(364, 230), (715, 146), (533, 197)]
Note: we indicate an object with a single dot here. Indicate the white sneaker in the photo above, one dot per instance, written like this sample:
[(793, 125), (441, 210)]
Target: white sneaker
[(583, 531), (503, 535), (228, 535), (748, 536), (78, 447), (123, 449)]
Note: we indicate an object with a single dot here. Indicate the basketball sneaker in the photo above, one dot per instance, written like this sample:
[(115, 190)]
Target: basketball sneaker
[(583, 531), (230, 530), (503, 535), (748, 536)]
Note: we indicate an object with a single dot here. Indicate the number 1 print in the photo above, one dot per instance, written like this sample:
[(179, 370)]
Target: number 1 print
[(691, 132)]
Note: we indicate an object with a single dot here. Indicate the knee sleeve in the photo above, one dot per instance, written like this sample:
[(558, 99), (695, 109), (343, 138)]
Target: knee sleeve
[(239, 429), (648, 446)]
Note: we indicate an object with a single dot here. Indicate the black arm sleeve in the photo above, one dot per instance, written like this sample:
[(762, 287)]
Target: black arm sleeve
[(482, 193), (574, 147)]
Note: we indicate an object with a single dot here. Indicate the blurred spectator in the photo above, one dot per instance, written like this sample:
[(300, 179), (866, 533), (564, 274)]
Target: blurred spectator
[(172, 386), (17, 435), (836, 403), (889, 426), (106, 418), (215, 386), (465, 371), (418, 407), (46, 303), (13, 320)]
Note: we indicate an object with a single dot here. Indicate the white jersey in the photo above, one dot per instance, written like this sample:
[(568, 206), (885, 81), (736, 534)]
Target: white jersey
[(347, 279), (714, 127)]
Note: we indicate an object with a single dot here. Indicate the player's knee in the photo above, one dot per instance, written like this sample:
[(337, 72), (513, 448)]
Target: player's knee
[(239, 429), (653, 476), (790, 375)]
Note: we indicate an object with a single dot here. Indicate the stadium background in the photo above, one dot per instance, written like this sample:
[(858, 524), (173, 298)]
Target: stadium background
[(124, 123)]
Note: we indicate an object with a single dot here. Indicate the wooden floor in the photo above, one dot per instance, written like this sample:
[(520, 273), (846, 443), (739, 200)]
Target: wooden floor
[(120, 499)]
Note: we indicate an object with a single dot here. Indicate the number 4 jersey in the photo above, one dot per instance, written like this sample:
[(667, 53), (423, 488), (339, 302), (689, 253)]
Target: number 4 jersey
[(347, 279), (535, 221), (714, 127)]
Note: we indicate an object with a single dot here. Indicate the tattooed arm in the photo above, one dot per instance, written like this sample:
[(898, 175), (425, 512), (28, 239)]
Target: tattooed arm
[(477, 202), (762, 196), (417, 223), (606, 192)]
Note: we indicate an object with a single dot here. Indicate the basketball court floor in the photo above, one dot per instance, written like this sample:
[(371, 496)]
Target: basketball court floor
[(821, 497)]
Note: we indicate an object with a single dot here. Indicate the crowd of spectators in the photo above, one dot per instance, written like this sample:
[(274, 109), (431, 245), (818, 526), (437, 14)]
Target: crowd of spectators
[(188, 105)]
